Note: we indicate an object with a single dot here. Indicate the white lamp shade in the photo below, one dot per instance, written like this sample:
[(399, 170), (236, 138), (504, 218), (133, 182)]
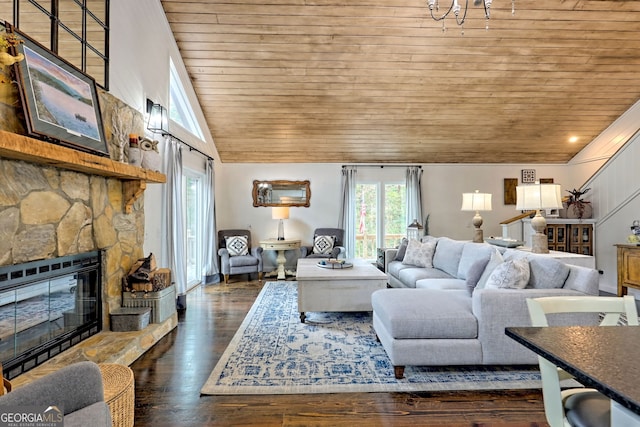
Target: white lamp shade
[(476, 201), (280, 212), (538, 196)]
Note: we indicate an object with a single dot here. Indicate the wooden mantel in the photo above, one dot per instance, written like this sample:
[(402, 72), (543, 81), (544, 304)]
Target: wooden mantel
[(20, 147)]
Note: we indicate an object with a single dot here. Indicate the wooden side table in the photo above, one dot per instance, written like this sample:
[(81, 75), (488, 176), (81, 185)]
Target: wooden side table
[(628, 268), (281, 246), (119, 394)]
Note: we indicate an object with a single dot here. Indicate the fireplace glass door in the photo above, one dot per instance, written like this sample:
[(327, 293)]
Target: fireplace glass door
[(40, 318)]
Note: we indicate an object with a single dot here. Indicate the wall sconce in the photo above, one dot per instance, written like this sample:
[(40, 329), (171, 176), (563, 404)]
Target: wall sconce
[(158, 119)]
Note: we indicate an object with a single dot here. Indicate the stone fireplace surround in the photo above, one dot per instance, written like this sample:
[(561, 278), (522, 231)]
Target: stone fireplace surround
[(48, 211)]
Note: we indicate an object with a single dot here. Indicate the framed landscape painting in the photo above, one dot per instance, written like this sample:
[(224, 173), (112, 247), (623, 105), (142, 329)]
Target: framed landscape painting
[(60, 102)]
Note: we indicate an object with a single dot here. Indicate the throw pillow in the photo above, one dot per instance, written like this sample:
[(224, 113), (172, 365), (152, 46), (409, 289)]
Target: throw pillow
[(475, 273), (402, 249), (419, 254), (323, 244), (547, 273), (237, 245), (495, 260), (512, 274)]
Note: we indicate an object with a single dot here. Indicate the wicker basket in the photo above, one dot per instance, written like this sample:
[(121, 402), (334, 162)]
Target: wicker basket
[(119, 393)]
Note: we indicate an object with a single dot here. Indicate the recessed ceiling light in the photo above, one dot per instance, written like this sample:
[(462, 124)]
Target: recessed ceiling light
[(573, 139)]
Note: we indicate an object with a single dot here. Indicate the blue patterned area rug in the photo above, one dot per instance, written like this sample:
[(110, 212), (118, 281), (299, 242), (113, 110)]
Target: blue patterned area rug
[(274, 353)]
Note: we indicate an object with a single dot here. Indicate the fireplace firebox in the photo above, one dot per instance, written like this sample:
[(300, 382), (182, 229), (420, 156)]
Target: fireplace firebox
[(46, 307)]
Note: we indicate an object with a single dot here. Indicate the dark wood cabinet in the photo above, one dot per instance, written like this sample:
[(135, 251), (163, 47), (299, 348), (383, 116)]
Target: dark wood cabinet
[(565, 235)]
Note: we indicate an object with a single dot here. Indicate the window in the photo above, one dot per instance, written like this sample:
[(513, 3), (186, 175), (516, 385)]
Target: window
[(180, 110), (381, 220), (76, 30), (193, 215)]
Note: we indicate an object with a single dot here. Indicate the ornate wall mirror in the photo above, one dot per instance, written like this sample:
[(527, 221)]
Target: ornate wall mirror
[(281, 193)]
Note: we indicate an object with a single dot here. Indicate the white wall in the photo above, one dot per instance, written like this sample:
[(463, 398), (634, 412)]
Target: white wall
[(442, 188), (141, 45)]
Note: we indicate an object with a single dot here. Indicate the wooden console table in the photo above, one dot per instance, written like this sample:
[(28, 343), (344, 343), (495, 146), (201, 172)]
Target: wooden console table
[(628, 268), (281, 246)]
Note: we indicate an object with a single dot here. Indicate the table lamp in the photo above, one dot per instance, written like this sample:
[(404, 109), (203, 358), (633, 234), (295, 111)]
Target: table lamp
[(476, 202), (280, 212), (536, 197)]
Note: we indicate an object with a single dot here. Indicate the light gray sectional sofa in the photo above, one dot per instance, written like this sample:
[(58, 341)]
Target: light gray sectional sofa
[(454, 311)]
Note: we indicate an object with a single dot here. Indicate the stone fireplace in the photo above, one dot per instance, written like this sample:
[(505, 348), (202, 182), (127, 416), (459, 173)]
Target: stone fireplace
[(49, 212)]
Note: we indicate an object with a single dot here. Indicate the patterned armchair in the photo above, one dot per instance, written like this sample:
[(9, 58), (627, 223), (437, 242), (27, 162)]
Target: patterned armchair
[(327, 243), (236, 254)]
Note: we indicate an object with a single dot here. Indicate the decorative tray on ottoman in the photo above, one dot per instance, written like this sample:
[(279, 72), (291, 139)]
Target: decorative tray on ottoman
[(334, 264), (507, 243)]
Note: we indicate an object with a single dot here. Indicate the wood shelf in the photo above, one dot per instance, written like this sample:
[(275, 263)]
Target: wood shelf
[(20, 147)]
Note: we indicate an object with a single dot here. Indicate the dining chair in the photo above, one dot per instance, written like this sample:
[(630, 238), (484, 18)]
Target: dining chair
[(576, 406)]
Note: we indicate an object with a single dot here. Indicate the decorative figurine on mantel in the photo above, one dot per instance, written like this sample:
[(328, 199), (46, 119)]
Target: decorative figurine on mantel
[(150, 154), (7, 88)]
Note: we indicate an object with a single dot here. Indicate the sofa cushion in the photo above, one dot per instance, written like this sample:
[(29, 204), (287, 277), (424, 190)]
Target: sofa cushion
[(471, 253), (237, 245), (512, 274), (402, 249), (425, 313), (243, 261), (419, 254), (447, 256), (495, 260), (475, 273), (323, 244), (441, 284), (409, 276), (547, 273), (94, 415)]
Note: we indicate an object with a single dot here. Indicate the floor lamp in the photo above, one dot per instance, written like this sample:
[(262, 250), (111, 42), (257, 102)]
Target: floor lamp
[(280, 213), (537, 197), (476, 202)]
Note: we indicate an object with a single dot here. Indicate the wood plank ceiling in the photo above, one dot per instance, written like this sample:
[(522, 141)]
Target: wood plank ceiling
[(378, 81)]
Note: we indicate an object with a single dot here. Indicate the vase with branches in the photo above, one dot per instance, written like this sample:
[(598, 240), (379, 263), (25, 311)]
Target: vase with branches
[(578, 207)]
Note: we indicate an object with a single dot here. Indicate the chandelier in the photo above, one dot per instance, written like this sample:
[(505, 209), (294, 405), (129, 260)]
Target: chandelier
[(456, 9)]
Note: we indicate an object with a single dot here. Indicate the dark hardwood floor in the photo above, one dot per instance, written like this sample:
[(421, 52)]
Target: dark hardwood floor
[(169, 377)]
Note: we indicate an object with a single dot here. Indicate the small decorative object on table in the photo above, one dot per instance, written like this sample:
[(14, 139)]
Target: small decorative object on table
[(634, 237), (507, 243), (334, 263)]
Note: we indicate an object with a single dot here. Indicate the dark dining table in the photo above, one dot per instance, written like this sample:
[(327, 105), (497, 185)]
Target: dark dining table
[(600, 357)]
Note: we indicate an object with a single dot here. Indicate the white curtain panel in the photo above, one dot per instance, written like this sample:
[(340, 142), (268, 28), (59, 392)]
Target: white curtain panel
[(414, 194), (175, 222), (347, 218), (211, 269)]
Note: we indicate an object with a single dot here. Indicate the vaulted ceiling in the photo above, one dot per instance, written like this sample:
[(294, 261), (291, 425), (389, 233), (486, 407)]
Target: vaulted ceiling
[(378, 81)]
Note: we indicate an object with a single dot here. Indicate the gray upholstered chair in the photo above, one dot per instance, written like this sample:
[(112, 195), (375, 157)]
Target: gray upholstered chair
[(236, 254), (314, 251), (77, 389)]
